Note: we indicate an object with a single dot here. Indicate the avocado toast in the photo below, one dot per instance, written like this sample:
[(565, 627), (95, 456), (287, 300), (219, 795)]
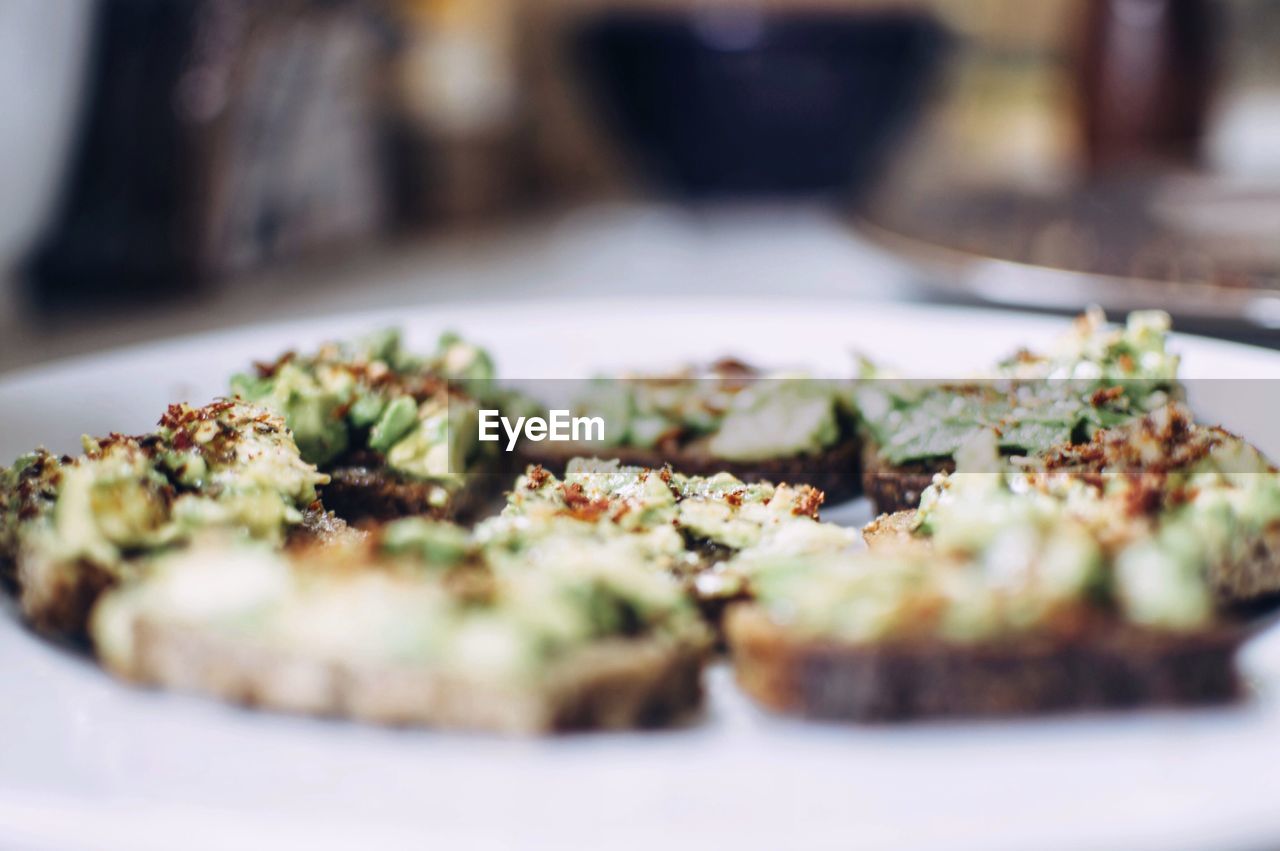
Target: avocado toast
[(696, 528), (395, 431), (1094, 377), (414, 625), (1197, 491), (1065, 587), (725, 417), (71, 527)]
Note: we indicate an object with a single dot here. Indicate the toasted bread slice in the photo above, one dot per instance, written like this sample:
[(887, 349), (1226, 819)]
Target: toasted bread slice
[(71, 527), (614, 685), (834, 471), (1115, 668), (55, 598), (411, 625)]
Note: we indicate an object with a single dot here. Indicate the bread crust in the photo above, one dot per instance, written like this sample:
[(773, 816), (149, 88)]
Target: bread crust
[(835, 471), (1116, 667), (363, 489), (897, 487), (56, 598), (615, 684)]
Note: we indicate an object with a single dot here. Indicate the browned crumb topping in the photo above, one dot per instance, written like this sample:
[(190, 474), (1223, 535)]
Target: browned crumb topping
[(1104, 395), (267, 369), (1147, 453), (1153, 444), (581, 506), (808, 502), (178, 417), (537, 476)]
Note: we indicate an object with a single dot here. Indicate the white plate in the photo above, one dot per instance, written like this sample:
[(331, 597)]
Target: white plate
[(86, 762)]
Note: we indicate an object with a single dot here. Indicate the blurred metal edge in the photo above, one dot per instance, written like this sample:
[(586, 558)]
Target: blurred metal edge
[(1012, 283)]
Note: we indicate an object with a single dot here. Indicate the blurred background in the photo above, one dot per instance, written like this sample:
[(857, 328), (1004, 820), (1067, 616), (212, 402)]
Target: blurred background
[(175, 165)]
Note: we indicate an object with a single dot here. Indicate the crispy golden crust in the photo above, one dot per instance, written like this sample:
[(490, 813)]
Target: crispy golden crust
[(1111, 668), (835, 471), (893, 532), (1157, 444), (613, 685)]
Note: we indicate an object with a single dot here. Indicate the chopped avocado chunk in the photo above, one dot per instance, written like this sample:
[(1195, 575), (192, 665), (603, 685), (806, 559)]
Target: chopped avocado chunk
[(416, 410), (434, 543), (437, 446), (778, 418), (396, 421), (366, 410), (311, 409)]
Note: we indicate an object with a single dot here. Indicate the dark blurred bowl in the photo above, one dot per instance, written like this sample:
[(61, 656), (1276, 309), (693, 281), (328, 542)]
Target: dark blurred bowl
[(731, 103)]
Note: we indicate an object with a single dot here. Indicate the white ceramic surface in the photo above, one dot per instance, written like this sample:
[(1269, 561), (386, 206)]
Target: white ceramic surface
[(86, 762)]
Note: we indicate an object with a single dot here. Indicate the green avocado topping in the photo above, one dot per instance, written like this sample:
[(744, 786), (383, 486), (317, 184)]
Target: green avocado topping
[(1135, 525), (432, 542), (397, 419), (1095, 377), (695, 527), (414, 594), (226, 466), (417, 412), (736, 412)]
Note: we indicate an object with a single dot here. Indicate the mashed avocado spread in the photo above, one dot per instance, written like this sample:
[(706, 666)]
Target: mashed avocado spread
[(732, 410), (416, 593), (348, 400), (1131, 526), (1095, 377), (702, 529), (227, 465)]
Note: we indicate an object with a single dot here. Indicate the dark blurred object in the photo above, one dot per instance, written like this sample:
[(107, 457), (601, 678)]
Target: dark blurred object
[(735, 101), (1145, 71), (216, 136), (1202, 247), (460, 149)]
